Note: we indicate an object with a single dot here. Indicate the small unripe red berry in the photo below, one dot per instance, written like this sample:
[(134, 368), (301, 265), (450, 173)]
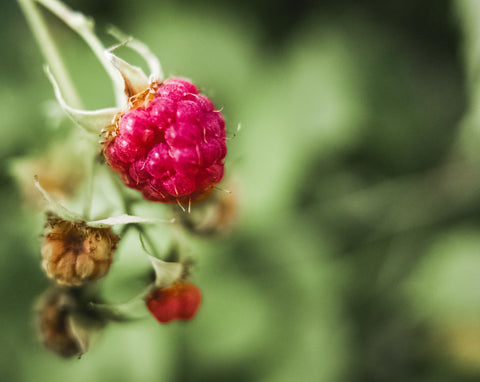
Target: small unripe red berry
[(180, 301), (73, 252), (171, 145)]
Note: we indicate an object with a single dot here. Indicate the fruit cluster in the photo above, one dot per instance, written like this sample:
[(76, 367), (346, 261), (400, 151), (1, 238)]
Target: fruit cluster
[(165, 139)]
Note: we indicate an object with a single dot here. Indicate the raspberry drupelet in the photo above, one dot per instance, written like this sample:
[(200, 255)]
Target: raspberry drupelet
[(170, 144)]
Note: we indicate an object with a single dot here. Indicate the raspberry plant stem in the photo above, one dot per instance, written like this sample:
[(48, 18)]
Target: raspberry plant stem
[(87, 207), (50, 52), (127, 207), (144, 236), (143, 50), (84, 27)]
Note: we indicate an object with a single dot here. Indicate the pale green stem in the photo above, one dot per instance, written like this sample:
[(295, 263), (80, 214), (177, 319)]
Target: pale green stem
[(149, 241), (55, 206), (156, 72), (90, 168), (50, 52), (84, 27), (120, 311), (127, 206)]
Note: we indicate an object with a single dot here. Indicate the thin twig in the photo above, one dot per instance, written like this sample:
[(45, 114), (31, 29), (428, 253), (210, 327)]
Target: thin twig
[(84, 27), (50, 52)]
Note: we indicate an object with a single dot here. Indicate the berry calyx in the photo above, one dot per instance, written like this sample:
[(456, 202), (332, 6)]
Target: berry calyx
[(180, 301), (170, 144)]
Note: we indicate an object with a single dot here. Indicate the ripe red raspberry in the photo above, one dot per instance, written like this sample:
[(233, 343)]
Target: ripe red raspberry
[(180, 301), (170, 146)]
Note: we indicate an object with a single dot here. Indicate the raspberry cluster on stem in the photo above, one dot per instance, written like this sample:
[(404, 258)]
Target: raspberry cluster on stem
[(165, 139)]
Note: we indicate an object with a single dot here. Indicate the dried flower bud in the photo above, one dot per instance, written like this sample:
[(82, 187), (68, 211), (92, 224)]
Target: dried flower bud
[(216, 215), (61, 180), (179, 301), (74, 252), (64, 323)]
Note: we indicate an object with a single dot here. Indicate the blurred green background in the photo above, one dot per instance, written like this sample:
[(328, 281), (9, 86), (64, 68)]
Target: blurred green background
[(356, 255)]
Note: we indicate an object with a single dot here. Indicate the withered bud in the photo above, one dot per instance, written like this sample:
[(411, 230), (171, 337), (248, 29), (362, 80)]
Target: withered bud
[(74, 252), (64, 323), (214, 216), (61, 180)]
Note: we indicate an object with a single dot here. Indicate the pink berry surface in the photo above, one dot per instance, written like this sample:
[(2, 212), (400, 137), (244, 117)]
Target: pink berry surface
[(172, 149)]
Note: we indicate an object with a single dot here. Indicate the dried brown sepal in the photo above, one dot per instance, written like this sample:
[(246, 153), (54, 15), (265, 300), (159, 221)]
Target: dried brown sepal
[(61, 181), (135, 101), (53, 326), (74, 253), (64, 322)]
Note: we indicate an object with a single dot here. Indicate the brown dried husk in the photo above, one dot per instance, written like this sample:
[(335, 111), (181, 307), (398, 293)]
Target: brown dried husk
[(74, 253)]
